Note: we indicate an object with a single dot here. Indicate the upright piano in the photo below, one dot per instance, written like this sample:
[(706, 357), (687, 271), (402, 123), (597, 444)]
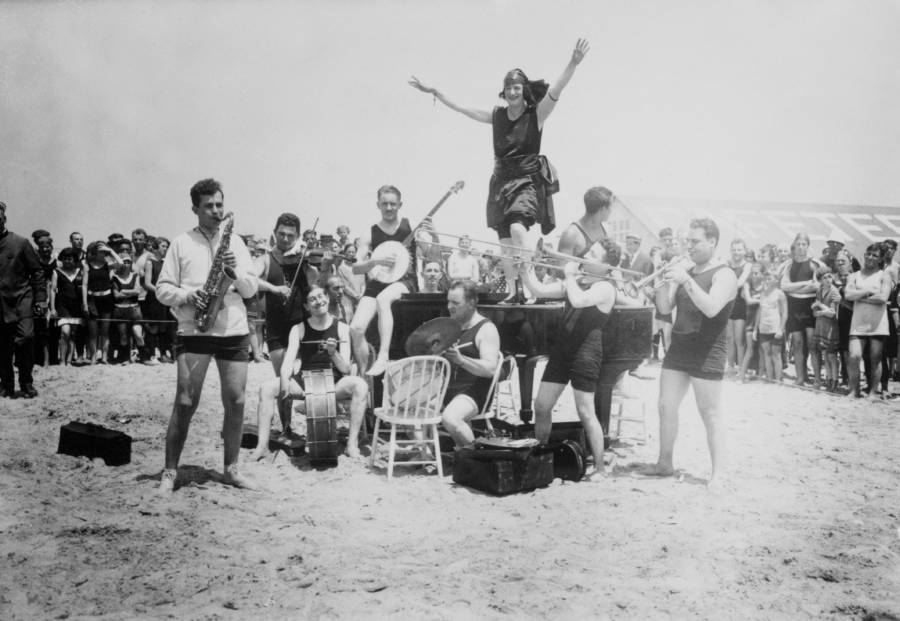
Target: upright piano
[(526, 331)]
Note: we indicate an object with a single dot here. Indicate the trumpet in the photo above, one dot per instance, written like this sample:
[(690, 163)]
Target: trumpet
[(662, 268)]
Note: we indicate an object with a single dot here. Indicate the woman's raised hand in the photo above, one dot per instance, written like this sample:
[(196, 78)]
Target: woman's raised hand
[(414, 82), (581, 48)]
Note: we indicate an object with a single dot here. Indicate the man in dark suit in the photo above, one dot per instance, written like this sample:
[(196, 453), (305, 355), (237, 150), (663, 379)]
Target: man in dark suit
[(22, 289)]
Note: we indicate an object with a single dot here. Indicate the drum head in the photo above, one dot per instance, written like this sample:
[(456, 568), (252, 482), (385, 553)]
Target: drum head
[(390, 250), (568, 461)]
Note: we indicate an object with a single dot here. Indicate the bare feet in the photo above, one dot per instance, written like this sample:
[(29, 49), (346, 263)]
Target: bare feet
[(235, 478), (352, 452), (378, 366), (657, 470), (595, 475), (167, 482), (260, 453)]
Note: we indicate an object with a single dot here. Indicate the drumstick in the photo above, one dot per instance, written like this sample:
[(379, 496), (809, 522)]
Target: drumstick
[(319, 342), (459, 345)]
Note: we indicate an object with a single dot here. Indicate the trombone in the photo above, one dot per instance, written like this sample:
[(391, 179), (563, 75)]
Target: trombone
[(477, 241), (521, 260), (570, 257)]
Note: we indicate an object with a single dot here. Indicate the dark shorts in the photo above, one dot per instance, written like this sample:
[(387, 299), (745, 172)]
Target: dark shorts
[(234, 348), (374, 287), (800, 315), (769, 338), (739, 308), (277, 336), (578, 363), (67, 309), (100, 307), (129, 313), (696, 358)]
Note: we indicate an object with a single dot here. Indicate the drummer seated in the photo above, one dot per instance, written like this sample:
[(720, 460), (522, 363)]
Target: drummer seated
[(319, 341), (474, 358)]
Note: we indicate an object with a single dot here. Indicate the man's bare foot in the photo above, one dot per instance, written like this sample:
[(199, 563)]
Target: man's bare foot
[(595, 475), (377, 367), (235, 478), (260, 454), (167, 482), (657, 470), (352, 452)]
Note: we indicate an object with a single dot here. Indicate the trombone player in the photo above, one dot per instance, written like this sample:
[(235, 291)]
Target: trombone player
[(577, 351)]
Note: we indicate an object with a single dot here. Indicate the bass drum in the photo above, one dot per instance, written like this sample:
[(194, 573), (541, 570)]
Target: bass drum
[(390, 250), (569, 461)]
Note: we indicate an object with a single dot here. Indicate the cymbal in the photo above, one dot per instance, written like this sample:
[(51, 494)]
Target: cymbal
[(433, 337)]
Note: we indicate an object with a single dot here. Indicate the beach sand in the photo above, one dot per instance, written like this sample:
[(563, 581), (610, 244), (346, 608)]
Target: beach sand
[(808, 528)]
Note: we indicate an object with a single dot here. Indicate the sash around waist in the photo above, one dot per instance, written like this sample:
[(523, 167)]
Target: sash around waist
[(518, 166)]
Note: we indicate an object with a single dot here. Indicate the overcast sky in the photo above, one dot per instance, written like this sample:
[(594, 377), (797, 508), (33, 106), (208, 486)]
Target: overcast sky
[(109, 111)]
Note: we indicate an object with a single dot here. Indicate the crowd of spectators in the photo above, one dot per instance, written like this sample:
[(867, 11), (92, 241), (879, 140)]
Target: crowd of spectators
[(817, 320), (830, 323)]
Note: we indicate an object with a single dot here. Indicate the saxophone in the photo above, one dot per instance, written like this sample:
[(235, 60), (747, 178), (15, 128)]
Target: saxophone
[(220, 278)]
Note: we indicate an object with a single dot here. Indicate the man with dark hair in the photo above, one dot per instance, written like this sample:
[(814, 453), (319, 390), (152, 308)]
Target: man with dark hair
[(474, 358), (22, 290), (76, 241), (432, 277), (320, 340), (577, 350), (284, 289), (703, 297), (579, 236), (285, 278), (181, 282)]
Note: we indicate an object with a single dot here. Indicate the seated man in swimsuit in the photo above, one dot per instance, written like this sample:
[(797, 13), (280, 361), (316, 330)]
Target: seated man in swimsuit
[(319, 339), (577, 350), (379, 296), (474, 359)]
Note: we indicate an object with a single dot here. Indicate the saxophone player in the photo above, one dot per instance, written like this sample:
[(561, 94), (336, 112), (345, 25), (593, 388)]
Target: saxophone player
[(185, 272)]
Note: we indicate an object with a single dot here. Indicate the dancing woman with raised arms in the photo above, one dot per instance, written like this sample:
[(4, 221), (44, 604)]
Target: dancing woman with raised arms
[(523, 182)]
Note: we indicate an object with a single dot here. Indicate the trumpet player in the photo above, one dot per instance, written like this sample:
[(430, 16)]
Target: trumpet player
[(702, 297), (185, 271), (577, 350)]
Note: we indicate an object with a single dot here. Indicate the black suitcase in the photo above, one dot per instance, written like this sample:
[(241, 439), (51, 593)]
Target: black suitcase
[(90, 440), (502, 471)]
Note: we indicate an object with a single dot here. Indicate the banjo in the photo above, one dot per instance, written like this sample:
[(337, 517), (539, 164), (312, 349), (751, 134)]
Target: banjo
[(399, 251)]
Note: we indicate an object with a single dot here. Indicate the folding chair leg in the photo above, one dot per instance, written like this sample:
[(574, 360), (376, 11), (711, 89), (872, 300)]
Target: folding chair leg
[(375, 438), (620, 412), (392, 447), (437, 451)]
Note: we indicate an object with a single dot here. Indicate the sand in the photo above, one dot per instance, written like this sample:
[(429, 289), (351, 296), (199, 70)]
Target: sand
[(809, 526)]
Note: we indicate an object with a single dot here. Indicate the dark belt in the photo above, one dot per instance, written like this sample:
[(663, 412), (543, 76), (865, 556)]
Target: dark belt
[(518, 166)]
